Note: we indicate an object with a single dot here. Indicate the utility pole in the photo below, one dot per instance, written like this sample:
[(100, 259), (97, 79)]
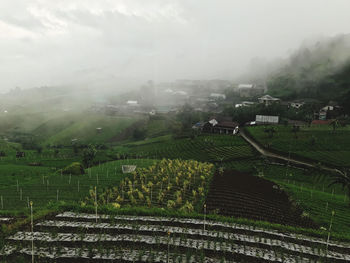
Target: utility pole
[(32, 226)]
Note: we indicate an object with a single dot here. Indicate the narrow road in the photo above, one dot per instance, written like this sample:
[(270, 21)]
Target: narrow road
[(268, 153)]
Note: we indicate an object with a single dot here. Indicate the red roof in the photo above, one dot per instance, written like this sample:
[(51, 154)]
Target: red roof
[(321, 122)]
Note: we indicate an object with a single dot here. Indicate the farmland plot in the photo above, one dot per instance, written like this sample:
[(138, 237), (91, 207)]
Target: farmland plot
[(172, 184), (233, 193), (73, 237), (42, 185), (213, 148)]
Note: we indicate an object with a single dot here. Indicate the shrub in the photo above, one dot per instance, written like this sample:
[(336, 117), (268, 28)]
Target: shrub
[(74, 169)]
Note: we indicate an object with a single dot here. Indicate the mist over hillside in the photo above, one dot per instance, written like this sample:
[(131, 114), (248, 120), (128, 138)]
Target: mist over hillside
[(318, 69)]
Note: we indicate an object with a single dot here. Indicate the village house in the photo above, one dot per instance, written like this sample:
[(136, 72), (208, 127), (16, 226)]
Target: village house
[(330, 111), (220, 127), (296, 104), (268, 100)]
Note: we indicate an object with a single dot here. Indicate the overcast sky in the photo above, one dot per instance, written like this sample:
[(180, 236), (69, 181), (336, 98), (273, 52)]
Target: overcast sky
[(60, 42)]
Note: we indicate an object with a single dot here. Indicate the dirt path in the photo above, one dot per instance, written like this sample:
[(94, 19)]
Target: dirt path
[(268, 153)]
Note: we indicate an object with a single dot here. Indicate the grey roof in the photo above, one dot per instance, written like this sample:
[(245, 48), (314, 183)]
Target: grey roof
[(268, 97)]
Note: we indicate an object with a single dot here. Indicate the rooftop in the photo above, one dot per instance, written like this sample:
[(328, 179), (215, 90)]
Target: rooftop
[(268, 97)]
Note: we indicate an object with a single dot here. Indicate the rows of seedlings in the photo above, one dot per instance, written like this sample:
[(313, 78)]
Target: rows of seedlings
[(72, 254), (211, 249), (74, 236), (215, 236), (210, 225)]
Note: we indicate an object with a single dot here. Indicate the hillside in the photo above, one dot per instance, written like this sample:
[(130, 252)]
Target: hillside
[(60, 128), (83, 128), (319, 70)]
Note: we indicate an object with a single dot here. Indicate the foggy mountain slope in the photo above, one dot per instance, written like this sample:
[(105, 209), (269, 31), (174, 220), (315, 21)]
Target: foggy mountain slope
[(84, 129), (317, 71), (22, 122)]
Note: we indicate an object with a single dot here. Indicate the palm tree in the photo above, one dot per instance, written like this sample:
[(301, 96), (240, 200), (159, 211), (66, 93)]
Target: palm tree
[(342, 178)]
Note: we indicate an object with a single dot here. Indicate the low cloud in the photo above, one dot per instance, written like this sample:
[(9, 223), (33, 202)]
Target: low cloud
[(84, 42)]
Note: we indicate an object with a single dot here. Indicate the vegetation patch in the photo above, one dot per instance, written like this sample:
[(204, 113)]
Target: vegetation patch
[(74, 169), (173, 184)]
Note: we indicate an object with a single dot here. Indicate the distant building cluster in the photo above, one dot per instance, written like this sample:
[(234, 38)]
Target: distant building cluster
[(211, 96)]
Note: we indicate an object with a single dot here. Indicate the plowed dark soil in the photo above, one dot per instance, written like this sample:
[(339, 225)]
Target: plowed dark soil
[(243, 195)]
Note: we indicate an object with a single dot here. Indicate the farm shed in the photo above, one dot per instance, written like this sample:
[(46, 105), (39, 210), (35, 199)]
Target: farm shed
[(265, 119), (128, 168)]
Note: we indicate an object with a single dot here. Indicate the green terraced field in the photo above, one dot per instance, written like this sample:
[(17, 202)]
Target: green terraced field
[(317, 143), (210, 148)]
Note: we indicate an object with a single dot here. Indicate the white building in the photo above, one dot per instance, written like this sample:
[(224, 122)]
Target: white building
[(268, 100), (265, 119), (132, 102), (218, 96), (297, 105)]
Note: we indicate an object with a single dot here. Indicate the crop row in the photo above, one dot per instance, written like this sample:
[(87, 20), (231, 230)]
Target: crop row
[(198, 223), (340, 158), (226, 249), (202, 148), (122, 255), (188, 232)]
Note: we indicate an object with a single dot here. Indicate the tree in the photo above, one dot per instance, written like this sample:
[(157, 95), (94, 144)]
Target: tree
[(89, 155), (74, 168)]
